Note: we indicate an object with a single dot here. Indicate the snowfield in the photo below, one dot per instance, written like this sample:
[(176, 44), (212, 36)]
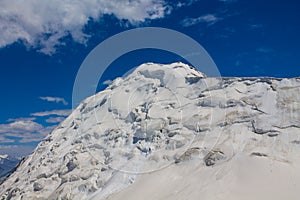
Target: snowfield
[(170, 132)]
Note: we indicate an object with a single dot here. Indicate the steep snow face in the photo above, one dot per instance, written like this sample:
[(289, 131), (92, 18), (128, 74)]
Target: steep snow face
[(167, 132)]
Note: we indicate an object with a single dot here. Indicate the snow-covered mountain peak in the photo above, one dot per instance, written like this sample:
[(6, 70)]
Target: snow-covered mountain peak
[(165, 74), (167, 132), (178, 69)]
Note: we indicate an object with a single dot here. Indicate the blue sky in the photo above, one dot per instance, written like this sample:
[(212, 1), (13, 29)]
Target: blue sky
[(42, 45)]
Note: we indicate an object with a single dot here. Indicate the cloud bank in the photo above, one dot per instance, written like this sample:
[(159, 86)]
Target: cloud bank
[(42, 24), (27, 130)]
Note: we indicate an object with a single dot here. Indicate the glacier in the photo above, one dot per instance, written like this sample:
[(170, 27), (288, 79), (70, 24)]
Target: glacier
[(171, 132)]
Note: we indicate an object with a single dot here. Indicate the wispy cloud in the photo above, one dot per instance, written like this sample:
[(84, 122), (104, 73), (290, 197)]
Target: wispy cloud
[(226, 33), (208, 19), (191, 2), (264, 50), (55, 99), (186, 3), (107, 82), (38, 136), (228, 1), (65, 112), (42, 24), (21, 119), (255, 26), (5, 140), (54, 120)]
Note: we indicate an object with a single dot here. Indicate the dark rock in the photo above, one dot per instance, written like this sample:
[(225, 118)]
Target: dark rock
[(13, 193), (295, 142), (214, 157), (102, 102), (192, 80), (272, 134), (259, 154), (71, 165), (37, 187), (187, 155), (172, 134)]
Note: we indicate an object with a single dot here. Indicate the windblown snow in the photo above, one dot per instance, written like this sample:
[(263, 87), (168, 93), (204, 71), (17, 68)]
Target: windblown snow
[(170, 132)]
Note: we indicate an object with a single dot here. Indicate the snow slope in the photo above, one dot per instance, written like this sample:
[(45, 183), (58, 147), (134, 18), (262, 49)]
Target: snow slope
[(169, 132)]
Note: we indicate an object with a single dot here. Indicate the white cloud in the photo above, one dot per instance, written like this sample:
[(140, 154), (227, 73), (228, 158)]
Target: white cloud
[(20, 126), (107, 82), (41, 24), (21, 119), (209, 19), (54, 120), (55, 99), (36, 136), (65, 112), (25, 130)]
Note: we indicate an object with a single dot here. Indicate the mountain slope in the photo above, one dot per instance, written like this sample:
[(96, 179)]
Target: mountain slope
[(7, 165), (169, 132)]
